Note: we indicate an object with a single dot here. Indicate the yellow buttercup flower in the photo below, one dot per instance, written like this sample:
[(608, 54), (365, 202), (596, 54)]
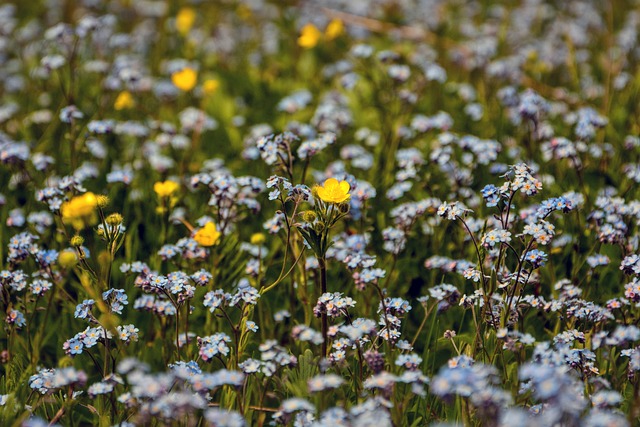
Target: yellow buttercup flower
[(207, 235), (124, 101), (67, 258), (257, 239), (79, 206), (166, 188), (309, 36), (185, 79), (244, 12), (185, 20), (210, 86), (334, 191), (334, 29)]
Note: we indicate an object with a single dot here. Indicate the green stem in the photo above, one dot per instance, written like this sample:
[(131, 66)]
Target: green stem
[(105, 362), (177, 332), (323, 289)]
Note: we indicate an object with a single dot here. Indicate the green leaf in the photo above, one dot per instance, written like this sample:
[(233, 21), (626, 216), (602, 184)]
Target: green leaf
[(232, 261), (297, 378)]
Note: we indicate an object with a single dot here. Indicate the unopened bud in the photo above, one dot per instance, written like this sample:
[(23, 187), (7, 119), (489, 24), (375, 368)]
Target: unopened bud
[(114, 219), (102, 201), (309, 216), (77, 241)]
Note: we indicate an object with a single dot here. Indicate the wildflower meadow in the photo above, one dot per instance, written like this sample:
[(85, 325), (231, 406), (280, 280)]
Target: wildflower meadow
[(320, 213)]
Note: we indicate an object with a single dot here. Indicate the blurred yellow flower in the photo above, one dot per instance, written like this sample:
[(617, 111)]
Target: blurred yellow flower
[(79, 206), (80, 210), (334, 191), (210, 86), (166, 188), (185, 20), (67, 258), (257, 239), (77, 241), (124, 101), (334, 29), (185, 79), (309, 36), (207, 235), (244, 12)]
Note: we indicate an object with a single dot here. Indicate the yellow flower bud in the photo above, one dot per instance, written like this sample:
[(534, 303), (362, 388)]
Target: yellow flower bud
[(102, 201), (114, 219), (77, 240), (309, 216), (344, 208)]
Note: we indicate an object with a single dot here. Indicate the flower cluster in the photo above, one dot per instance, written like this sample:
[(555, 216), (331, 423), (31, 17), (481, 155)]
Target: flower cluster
[(392, 213)]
